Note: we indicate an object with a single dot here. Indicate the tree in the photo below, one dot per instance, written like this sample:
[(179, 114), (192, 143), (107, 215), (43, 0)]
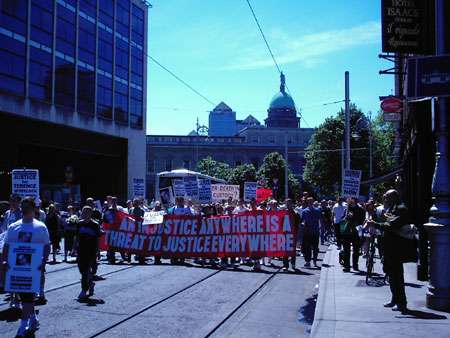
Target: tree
[(272, 172), (241, 174), (213, 168), (323, 163)]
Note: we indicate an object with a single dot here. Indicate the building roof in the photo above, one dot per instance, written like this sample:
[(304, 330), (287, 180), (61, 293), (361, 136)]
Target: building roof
[(282, 100), (222, 106)]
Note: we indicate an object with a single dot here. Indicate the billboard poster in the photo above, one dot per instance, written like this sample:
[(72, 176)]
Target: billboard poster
[(191, 187), (178, 188)]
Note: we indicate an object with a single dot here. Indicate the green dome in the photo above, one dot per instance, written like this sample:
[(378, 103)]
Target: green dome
[(282, 100)]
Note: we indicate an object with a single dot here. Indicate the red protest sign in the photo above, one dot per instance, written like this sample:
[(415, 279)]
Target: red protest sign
[(263, 194), (251, 234)]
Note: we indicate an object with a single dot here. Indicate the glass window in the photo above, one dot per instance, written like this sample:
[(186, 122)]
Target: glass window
[(107, 6), (86, 91), (136, 120), (89, 7), (40, 75), (121, 108), (13, 15), (64, 83), (12, 66)]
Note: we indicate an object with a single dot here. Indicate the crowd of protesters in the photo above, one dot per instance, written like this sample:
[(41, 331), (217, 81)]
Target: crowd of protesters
[(347, 223)]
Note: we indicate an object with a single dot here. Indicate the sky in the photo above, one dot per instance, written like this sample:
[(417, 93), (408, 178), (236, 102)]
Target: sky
[(216, 47)]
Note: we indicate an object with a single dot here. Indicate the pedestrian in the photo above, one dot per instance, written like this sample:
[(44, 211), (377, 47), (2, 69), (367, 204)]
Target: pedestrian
[(338, 213), (397, 250), (354, 217), (70, 228), (52, 223), (179, 209), (35, 232), (295, 222), (326, 224), (88, 233), (13, 214), (311, 219), (138, 214)]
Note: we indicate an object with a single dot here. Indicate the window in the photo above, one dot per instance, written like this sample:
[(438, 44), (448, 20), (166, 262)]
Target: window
[(40, 75), (121, 108), (89, 7), (150, 166), (13, 15), (64, 83), (65, 31), (86, 91), (12, 65), (41, 23), (271, 139), (123, 17), (168, 164)]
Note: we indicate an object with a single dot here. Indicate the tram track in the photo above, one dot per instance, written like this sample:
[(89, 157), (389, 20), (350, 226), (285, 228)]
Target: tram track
[(184, 289), (56, 288)]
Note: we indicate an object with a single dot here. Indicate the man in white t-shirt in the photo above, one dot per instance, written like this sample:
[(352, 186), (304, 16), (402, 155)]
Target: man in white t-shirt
[(338, 212), (27, 230)]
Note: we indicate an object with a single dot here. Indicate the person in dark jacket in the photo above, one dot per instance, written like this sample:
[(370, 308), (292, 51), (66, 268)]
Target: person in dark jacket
[(354, 216), (88, 233), (395, 251)]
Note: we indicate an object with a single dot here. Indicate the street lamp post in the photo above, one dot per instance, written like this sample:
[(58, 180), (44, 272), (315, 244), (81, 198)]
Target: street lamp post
[(365, 123)]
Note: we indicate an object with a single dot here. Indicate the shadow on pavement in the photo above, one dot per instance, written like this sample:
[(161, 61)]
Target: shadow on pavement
[(414, 285), (416, 314), (306, 312), (10, 315), (91, 301)]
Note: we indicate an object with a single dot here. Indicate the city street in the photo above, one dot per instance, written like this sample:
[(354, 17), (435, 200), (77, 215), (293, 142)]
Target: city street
[(176, 301)]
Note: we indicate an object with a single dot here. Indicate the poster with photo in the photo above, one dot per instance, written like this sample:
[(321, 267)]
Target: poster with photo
[(24, 260)]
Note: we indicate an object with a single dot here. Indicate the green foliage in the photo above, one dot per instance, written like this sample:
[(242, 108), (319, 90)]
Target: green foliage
[(211, 167), (272, 169), (323, 168), (241, 174)]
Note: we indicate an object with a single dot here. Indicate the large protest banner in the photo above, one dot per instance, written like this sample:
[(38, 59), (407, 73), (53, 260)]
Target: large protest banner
[(224, 191), (24, 260), (204, 190), (252, 234), (25, 182), (351, 183)]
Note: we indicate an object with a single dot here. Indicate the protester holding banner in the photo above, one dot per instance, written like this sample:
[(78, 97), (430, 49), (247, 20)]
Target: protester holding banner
[(295, 223), (138, 213), (88, 233), (179, 209), (109, 216), (27, 231)]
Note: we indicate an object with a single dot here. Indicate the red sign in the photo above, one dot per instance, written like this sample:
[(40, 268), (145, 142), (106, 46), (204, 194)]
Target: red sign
[(263, 194), (392, 104), (251, 234)]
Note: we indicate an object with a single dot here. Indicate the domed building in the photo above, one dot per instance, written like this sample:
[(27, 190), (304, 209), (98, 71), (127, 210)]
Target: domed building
[(282, 110), (234, 141)]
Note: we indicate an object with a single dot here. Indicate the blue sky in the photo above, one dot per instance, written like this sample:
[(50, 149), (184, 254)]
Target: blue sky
[(216, 47)]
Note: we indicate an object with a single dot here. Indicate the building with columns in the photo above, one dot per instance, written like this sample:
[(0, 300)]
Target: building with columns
[(250, 143)]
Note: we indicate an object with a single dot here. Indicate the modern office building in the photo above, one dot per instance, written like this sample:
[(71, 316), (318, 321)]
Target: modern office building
[(222, 121), (250, 144), (72, 95)]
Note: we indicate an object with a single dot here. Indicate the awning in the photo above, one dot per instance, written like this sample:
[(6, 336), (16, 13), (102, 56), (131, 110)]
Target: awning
[(383, 178)]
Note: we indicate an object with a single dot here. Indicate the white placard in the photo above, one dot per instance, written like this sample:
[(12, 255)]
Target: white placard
[(204, 190), (153, 217), (351, 184), (250, 191), (224, 191), (25, 182), (191, 187), (178, 188), (24, 260)]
